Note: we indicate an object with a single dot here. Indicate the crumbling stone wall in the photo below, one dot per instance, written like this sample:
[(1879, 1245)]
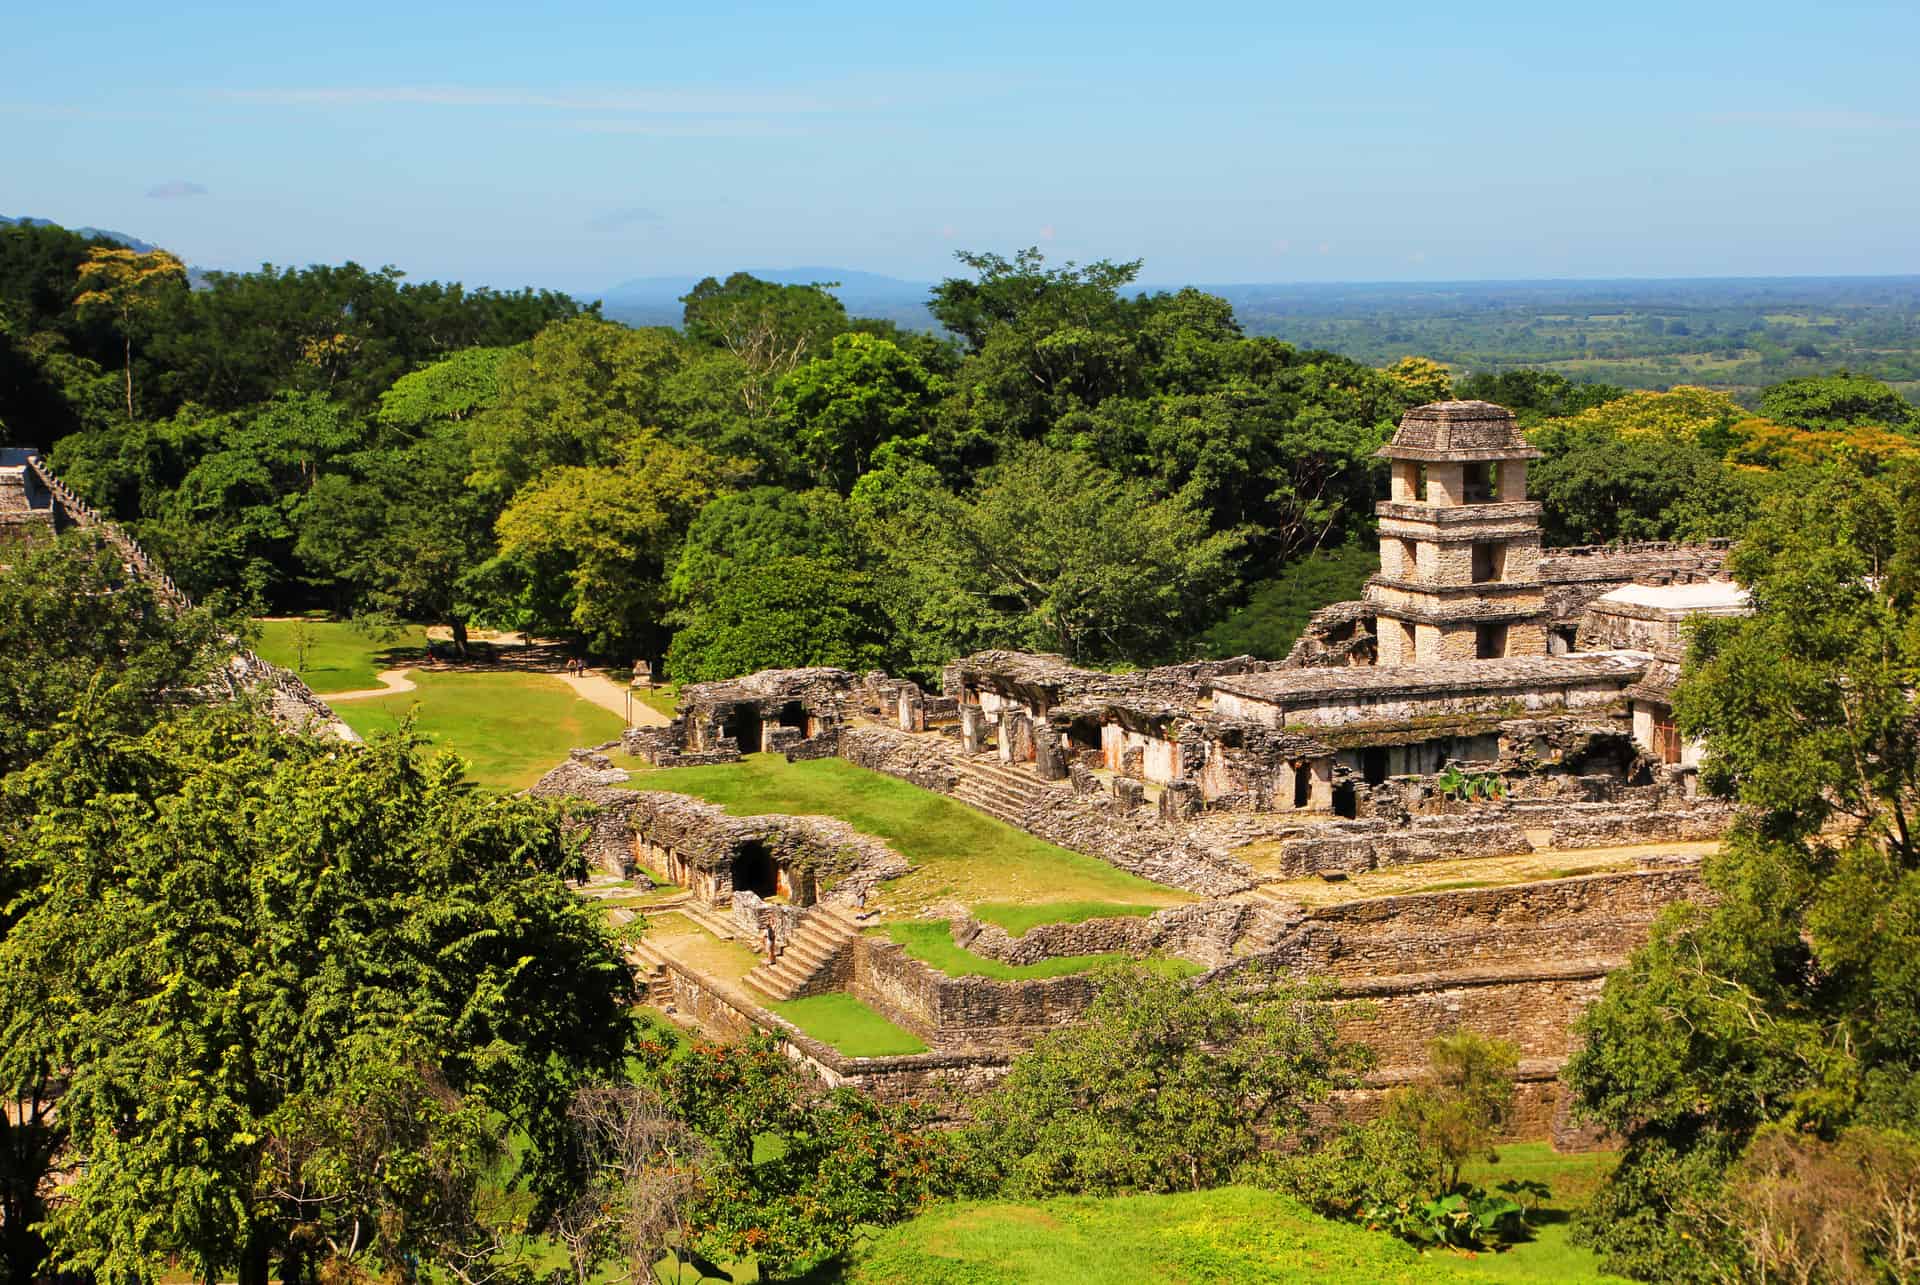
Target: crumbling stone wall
[(817, 854), (591, 778), (1351, 847)]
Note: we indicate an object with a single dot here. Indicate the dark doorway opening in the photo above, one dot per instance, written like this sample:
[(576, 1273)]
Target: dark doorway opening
[(1302, 785), (1373, 765), (754, 870), (1490, 642), (1346, 800), (793, 714), (743, 725), (1084, 734)]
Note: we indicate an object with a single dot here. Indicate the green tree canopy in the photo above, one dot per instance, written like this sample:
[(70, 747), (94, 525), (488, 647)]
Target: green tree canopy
[(1052, 552), (1837, 401), (291, 990), (840, 407), (1793, 999), (1166, 1086)]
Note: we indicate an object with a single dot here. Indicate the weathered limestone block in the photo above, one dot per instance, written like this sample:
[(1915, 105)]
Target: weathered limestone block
[(973, 729), (1132, 763), (1179, 800), (1048, 760), (1127, 793)]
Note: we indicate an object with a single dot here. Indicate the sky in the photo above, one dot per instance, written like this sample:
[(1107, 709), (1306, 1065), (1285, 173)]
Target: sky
[(580, 144)]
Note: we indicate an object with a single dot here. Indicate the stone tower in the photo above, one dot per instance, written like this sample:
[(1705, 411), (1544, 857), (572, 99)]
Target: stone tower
[(1459, 540)]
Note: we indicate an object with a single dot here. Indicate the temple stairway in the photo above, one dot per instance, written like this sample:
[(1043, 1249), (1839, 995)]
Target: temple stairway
[(824, 930), (649, 966), (1011, 793)]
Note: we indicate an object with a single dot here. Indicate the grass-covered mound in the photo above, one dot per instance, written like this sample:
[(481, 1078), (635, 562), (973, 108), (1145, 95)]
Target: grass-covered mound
[(1277, 609), (960, 855), (849, 1025), (510, 728), (932, 944), (341, 657), (1016, 918), (1235, 1234)]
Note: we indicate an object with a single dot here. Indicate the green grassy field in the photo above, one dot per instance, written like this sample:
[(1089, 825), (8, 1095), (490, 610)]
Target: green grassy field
[(509, 727), (1017, 918), (340, 657), (960, 855), (849, 1025), (932, 944), (1233, 1234)]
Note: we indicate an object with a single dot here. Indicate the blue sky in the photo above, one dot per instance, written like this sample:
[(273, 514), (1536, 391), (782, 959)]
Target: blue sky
[(581, 144)]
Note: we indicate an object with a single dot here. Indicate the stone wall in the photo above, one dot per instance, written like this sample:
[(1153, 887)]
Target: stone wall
[(1351, 849), (963, 1012)]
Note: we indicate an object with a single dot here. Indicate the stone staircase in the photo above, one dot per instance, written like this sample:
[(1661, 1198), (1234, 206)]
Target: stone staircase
[(1013, 794), (1269, 923), (649, 967), (720, 925), (824, 930)]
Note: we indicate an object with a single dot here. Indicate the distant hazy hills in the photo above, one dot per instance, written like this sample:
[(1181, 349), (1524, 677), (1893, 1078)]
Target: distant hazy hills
[(655, 301), (132, 243)]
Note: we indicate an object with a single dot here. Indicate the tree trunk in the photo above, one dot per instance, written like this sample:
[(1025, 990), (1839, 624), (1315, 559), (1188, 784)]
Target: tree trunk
[(255, 1259), (127, 337)]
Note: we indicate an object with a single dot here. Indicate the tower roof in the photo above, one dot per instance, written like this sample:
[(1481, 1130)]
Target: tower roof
[(1458, 431)]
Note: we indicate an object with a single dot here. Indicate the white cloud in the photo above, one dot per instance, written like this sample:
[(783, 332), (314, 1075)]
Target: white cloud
[(691, 102), (175, 189)]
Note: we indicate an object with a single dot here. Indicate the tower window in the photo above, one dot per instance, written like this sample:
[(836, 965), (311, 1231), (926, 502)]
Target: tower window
[(1476, 483), (1490, 642), (1489, 561)]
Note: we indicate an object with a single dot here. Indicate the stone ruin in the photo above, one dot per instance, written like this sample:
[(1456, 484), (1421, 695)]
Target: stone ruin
[(1475, 655)]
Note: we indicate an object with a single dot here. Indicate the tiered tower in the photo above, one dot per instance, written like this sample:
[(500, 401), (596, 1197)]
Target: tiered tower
[(1459, 540)]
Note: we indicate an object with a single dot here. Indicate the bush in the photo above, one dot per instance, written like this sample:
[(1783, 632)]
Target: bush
[(1381, 1162)]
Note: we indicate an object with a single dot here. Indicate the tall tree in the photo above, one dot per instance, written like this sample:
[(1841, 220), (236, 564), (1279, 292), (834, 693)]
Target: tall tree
[(128, 284), (1793, 999)]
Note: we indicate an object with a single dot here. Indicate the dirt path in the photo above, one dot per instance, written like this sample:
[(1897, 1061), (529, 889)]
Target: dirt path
[(393, 680), (607, 694), (597, 688)]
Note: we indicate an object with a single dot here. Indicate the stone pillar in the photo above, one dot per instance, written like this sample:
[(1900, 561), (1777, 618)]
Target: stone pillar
[(1128, 794), (912, 709), (1048, 759), (1179, 800), (1131, 759), (1322, 795), (973, 729), (1283, 788), (1022, 725), (1005, 738)]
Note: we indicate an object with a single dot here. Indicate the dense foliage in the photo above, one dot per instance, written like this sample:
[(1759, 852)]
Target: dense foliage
[(1071, 464), (1754, 1035), (1164, 1087)]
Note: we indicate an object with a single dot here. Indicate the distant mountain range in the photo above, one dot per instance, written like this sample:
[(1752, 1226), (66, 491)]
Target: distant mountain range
[(655, 301), (131, 242)]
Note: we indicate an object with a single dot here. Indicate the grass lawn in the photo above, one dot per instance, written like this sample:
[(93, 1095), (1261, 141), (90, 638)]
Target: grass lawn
[(340, 658), (1548, 1257), (932, 944), (509, 727), (1232, 1234), (1017, 918), (849, 1025), (663, 699), (961, 855), (1235, 1234)]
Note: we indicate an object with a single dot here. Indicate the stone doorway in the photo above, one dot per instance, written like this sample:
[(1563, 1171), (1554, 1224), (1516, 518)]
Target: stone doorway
[(754, 870)]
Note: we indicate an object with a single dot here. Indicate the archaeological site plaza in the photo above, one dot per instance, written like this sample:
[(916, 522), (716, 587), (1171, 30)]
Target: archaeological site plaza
[(1461, 798)]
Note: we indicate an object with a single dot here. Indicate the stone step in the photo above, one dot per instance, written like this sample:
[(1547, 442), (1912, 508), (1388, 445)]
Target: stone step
[(822, 932), (719, 925)]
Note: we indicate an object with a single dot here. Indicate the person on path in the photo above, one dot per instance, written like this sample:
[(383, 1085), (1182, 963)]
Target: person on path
[(767, 930)]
